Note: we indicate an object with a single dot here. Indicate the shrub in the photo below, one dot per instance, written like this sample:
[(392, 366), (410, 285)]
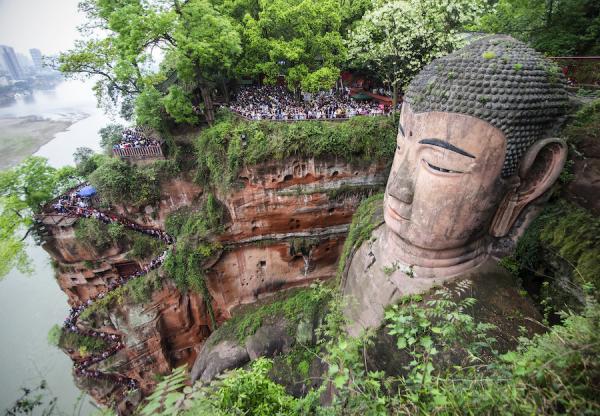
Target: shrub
[(585, 123), (119, 182), (144, 247), (364, 221), (195, 245), (295, 307), (94, 232), (225, 147)]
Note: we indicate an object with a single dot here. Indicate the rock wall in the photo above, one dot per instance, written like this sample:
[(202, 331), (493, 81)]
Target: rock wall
[(286, 225)]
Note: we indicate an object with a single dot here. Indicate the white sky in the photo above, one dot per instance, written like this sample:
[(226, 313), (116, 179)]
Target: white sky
[(49, 25)]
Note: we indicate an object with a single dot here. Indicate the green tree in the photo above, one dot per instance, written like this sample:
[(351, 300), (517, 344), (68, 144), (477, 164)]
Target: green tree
[(398, 38), (23, 191), (179, 105), (120, 60), (293, 38), (199, 44), (110, 135), (558, 28), (207, 46)]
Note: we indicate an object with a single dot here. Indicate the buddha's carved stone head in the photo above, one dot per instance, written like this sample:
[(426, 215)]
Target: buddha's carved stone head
[(474, 148)]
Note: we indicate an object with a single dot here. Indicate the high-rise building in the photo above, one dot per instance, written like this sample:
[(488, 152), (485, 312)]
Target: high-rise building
[(10, 62), (36, 56)]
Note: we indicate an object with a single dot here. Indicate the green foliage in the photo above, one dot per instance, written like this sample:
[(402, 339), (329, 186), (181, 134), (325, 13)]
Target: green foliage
[(96, 233), (119, 182), (176, 220), (167, 396), (555, 373), (82, 343), (364, 222), (24, 189), (86, 161), (300, 40), (148, 108), (140, 291), (195, 245), (319, 80), (221, 153), (398, 38), (36, 400), (571, 233), (144, 247), (179, 106), (557, 28), (54, 335), (585, 125), (136, 291), (110, 135), (245, 392), (298, 306)]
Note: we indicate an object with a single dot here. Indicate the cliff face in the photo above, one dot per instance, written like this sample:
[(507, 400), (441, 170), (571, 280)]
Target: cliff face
[(286, 224)]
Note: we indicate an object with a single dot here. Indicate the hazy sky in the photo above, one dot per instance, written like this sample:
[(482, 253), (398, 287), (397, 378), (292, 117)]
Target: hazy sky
[(49, 25)]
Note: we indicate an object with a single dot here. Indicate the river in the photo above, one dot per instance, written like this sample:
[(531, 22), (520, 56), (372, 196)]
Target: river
[(31, 305)]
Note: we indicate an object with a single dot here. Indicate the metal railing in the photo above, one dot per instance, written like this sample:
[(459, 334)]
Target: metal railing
[(140, 152), (337, 119)]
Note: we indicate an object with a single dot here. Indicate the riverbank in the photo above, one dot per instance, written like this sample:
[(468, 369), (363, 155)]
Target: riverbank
[(23, 136)]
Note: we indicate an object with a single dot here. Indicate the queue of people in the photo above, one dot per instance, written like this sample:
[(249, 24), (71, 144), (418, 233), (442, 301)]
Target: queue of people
[(75, 205), (135, 137), (277, 103)]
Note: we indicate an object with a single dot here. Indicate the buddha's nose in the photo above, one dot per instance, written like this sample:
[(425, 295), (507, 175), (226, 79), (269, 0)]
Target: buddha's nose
[(401, 185)]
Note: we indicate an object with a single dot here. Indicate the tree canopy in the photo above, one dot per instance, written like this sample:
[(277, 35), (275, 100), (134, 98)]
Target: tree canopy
[(298, 39), (557, 28), (398, 38), (23, 191)]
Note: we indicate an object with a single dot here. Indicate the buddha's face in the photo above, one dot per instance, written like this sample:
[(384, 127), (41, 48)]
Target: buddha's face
[(444, 186)]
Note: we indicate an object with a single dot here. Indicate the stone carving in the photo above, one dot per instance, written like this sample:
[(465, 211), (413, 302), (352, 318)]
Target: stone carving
[(474, 148)]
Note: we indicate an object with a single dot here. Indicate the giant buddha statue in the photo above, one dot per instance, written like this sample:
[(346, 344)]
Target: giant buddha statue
[(475, 149)]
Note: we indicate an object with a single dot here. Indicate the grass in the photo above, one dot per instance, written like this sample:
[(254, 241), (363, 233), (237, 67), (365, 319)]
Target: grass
[(294, 306), (231, 143), (365, 220), (136, 291)]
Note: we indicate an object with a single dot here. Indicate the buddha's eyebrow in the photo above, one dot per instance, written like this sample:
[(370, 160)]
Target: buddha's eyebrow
[(446, 145)]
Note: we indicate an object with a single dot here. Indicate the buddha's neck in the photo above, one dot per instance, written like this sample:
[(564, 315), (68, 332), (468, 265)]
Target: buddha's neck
[(433, 263)]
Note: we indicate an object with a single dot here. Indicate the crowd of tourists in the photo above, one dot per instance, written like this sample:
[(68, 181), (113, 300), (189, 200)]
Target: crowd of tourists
[(278, 103), (135, 137), (74, 205)]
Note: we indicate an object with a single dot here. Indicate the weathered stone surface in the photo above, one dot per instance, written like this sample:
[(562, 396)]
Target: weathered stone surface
[(287, 228), (270, 340), (584, 189), (215, 359), (498, 302)]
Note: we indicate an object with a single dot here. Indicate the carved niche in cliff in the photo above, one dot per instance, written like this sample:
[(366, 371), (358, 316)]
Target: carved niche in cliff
[(474, 149)]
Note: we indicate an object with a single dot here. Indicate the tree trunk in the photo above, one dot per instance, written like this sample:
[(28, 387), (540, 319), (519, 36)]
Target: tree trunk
[(394, 96), (549, 12), (225, 91), (209, 111)]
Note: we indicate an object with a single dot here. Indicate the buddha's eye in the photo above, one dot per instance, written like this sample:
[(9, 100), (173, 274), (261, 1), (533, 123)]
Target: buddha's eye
[(438, 169)]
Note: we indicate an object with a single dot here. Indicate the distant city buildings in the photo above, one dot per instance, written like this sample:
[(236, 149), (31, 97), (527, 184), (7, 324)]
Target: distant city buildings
[(10, 62), (36, 56)]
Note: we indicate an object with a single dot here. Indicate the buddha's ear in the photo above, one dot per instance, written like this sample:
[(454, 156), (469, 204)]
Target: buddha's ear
[(539, 170)]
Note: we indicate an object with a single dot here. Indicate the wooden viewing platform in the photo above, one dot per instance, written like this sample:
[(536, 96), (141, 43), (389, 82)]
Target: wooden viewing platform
[(141, 152)]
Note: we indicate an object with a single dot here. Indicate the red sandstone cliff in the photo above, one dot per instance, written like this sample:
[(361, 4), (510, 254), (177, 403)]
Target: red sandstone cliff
[(287, 222)]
